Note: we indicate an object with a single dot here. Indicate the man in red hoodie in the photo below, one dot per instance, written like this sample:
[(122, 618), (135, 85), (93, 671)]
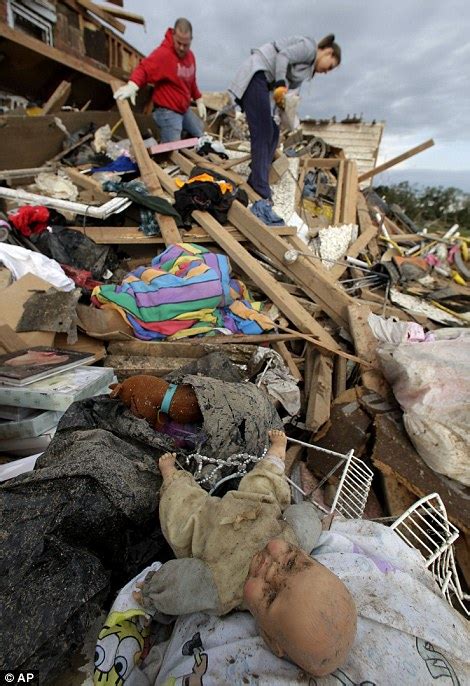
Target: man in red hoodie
[(171, 68)]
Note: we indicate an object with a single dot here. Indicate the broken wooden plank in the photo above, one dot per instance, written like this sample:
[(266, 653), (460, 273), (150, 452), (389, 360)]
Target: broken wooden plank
[(320, 392), (366, 346), (63, 153), (102, 14), (129, 365), (116, 235), (396, 160), (58, 98), (146, 166), (195, 349), (349, 194), (394, 454), (339, 376), (322, 346), (123, 14), (281, 348), (339, 193), (309, 274), (228, 164), (88, 183)]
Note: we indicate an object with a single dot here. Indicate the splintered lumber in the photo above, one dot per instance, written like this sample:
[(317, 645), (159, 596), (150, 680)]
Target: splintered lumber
[(339, 376), (89, 184), (194, 349), (349, 193), (368, 232), (281, 348), (58, 98), (395, 455), (319, 396), (396, 160), (63, 153), (366, 347), (102, 14), (310, 276), (123, 14), (130, 365), (339, 193), (146, 166), (122, 235), (316, 343), (286, 303)]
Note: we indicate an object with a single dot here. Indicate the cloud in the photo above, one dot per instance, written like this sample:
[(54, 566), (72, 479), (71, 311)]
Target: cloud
[(407, 63)]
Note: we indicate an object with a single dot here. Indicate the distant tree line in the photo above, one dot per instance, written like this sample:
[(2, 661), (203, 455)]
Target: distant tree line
[(433, 207)]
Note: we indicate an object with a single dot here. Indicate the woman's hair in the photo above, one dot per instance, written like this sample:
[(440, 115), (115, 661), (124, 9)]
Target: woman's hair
[(329, 42)]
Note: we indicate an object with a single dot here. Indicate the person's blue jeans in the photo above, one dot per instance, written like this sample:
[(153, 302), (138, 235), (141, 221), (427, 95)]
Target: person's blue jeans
[(172, 124), (264, 132)]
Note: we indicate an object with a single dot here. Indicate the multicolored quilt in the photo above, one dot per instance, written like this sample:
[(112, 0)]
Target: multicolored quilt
[(187, 291)]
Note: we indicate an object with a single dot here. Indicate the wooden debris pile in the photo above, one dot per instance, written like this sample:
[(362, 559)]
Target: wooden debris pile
[(319, 298)]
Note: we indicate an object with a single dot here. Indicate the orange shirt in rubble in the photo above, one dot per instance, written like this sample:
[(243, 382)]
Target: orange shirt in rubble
[(174, 78)]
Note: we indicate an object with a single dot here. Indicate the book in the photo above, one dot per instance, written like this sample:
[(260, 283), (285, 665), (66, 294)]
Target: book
[(23, 367), (40, 422), (15, 414), (22, 447), (60, 391)]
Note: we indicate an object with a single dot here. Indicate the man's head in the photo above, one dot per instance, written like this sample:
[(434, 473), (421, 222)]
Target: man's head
[(182, 37), (304, 612)]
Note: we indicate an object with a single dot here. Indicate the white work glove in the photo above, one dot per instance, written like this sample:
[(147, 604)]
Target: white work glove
[(201, 109), (129, 91)]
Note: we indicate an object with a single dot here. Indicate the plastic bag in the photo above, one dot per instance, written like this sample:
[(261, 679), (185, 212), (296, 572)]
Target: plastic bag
[(431, 381)]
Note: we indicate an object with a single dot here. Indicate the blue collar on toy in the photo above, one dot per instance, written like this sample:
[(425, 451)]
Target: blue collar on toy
[(168, 397)]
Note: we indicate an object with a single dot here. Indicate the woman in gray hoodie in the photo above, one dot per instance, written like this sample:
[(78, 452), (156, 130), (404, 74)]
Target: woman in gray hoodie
[(275, 67)]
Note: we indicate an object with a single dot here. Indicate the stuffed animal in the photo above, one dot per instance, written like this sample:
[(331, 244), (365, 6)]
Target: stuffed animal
[(156, 400)]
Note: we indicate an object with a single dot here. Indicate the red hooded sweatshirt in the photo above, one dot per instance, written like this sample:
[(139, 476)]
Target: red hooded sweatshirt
[(174, 78)]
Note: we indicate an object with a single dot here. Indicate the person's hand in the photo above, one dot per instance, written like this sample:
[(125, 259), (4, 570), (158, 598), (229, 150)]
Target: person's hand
[(127, 92), (201, 109), (279, 95)]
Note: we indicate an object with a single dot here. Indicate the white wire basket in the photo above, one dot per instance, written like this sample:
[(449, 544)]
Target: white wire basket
[(354, 484), (425, 527)]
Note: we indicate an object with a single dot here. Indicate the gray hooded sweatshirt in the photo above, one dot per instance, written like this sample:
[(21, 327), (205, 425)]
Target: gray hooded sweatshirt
[(289, 59)]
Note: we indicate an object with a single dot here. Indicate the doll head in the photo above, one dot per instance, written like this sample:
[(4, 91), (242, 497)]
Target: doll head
[(304, 612)]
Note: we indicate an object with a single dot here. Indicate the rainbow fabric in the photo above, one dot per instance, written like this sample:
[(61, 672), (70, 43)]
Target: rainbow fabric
[(187, 291)]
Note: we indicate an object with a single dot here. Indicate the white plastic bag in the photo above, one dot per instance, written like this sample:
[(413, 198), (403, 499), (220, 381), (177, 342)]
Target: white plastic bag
[(431, 381), (21, 261)]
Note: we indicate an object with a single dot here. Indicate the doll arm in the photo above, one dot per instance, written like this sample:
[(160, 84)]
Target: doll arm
[(182, 511), (180, 587)]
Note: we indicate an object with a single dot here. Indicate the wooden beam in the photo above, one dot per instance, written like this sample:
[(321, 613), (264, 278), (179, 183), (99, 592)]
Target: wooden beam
[(58, 98), (339, 193), (286, 303), (349, 194), (96, 10), (89, 184), (123, 14), (147, 168), (281, 348), (396, 160), (80, 65), (122, 235), (366, 347), (172, 145), (320, 392), (310, 275)]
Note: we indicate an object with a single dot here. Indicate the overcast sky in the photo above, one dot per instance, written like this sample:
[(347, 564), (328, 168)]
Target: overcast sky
[(406, 62)]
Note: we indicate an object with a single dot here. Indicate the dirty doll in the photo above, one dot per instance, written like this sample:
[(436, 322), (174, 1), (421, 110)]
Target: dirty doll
[(246, 550)]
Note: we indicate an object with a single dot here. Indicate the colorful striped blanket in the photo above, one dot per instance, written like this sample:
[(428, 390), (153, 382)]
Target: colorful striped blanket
[(187, 291)]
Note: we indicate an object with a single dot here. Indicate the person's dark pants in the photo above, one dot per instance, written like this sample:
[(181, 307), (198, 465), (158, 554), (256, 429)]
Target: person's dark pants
[(264, 132)]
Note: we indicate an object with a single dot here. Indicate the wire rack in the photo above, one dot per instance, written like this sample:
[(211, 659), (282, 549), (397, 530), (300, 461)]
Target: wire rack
[(354, 484), (425, 527)]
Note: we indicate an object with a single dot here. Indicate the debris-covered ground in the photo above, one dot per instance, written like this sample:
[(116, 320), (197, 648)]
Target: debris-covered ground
[(340, 320)]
